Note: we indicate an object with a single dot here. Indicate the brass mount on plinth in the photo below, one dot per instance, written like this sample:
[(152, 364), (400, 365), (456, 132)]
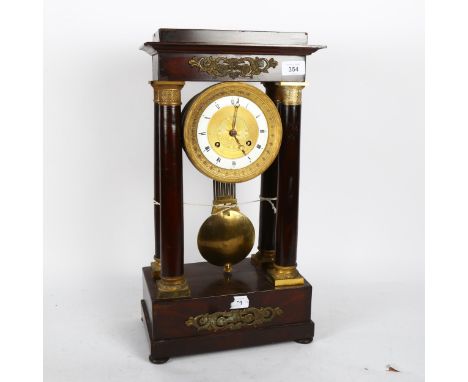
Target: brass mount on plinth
[(173, 287), (234, 319), (284, 276)]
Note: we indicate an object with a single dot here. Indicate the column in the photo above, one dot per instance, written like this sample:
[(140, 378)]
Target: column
[(267, 216), (284, 272), (156, 264), (172, 282)]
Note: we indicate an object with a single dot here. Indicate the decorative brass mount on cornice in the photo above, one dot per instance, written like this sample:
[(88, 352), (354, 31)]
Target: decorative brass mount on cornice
[(232, 66)]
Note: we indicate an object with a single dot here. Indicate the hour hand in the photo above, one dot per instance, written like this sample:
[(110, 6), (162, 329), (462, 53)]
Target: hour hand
[(241, 147)]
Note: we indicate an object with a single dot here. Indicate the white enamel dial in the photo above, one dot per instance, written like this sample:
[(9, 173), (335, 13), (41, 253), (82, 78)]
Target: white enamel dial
[(242, 151)]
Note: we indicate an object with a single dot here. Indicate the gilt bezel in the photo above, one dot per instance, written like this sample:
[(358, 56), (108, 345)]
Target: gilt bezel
[(194, 113)]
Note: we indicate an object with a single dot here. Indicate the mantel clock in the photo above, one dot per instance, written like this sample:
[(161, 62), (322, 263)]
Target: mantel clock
[(231, 132)]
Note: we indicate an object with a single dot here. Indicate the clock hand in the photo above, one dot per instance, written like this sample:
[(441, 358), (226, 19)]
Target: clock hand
[(234, 118), (241, 147), (233, 131)]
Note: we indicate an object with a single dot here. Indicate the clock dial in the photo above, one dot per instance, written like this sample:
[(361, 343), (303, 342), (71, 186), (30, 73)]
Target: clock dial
[(232, 132)]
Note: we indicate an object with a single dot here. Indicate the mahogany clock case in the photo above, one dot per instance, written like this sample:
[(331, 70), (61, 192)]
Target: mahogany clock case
[(172, 49), (166, 321), (198, 317)]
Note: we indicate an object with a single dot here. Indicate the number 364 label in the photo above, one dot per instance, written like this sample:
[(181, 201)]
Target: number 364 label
[(293, 68)]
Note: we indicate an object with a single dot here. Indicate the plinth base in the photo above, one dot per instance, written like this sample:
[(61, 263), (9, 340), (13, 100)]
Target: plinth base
[(209, 321)]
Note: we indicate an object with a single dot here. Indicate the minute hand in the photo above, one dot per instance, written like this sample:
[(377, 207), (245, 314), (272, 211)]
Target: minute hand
[(234, 118)]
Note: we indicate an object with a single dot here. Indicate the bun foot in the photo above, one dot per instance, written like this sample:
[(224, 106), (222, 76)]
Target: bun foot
[(304, 341), (158, 361)]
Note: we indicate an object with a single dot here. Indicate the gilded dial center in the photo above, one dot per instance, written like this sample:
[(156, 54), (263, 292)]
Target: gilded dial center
[(232, 132), (232, 138)]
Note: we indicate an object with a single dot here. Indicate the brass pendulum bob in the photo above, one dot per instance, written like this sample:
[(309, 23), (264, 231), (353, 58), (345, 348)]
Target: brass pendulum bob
[(227, 236)]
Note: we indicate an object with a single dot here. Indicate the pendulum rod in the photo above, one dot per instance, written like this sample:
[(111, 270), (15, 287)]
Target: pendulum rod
[(224, 194), (222, 191)]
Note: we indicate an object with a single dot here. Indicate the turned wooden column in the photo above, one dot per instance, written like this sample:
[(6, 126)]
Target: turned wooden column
[(172, 282), (156, 264), (284, 270), (267, 216)]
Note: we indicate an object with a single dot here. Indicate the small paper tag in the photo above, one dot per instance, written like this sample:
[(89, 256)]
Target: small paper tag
[(293, 68), (240, 302)]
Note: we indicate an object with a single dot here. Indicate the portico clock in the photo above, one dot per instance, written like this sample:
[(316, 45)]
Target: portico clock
[(232, 132), (246, 125)]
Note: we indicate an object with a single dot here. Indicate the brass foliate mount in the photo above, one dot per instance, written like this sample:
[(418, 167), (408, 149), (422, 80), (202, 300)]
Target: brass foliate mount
[(281, 276), (167, 93), (234, 319), (243, 67)]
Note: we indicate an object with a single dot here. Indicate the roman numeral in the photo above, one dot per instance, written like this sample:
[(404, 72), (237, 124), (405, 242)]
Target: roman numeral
[(202, 133)]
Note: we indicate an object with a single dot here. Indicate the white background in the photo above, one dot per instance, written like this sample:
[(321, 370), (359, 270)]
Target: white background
[(361, 239)]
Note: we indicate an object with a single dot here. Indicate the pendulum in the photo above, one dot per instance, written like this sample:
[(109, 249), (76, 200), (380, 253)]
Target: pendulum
[(227, 236)]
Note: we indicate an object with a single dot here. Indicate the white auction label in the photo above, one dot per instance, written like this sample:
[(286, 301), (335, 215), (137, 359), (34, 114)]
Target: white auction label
[(293, 68), (240, 302)]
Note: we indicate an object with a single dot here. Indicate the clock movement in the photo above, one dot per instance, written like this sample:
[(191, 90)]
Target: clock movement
[(231, 132)]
